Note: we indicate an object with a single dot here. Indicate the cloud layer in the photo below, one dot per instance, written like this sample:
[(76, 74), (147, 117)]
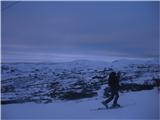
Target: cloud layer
[(78, 29)]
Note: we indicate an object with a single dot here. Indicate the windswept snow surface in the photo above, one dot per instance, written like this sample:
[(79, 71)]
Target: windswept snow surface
[(136, 105)]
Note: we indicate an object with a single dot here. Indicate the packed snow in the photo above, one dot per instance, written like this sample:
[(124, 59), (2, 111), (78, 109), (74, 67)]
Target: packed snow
[(136, 105)]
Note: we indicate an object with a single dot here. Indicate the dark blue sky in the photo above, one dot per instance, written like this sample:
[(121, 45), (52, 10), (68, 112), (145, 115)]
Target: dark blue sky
[(64, 31)]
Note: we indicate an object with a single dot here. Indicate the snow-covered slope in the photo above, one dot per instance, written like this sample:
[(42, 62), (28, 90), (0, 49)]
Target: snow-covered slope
[(10, 70), (74, 89), (46, 82), (136, 105)]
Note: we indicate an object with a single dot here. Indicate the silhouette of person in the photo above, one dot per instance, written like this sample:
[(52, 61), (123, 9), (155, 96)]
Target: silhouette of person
[(113, 82)]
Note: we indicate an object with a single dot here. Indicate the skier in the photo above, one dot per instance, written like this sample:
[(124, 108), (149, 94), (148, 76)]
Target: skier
[(113, 82)]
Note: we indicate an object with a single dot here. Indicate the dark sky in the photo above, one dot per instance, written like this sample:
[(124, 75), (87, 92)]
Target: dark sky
[(64, 31)]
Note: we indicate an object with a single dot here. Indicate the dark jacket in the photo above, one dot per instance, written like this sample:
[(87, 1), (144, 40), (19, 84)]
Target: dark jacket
[(113, 82)]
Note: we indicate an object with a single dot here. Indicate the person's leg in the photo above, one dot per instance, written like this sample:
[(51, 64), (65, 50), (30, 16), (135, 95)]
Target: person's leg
[(105, 103), (116, 94), (110, 98)]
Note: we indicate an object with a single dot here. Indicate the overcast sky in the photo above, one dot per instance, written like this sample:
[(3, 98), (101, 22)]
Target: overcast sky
[(65, 31)]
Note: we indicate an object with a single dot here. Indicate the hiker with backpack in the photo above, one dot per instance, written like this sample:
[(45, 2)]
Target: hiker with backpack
[(113, 82)]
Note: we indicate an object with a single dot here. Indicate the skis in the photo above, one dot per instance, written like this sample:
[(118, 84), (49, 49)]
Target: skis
[(115, 107), (103, 108)]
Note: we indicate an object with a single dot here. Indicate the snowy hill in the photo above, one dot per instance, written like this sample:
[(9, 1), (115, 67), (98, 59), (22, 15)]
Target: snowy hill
[(136, 105), (82, 80), (45, 82)]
